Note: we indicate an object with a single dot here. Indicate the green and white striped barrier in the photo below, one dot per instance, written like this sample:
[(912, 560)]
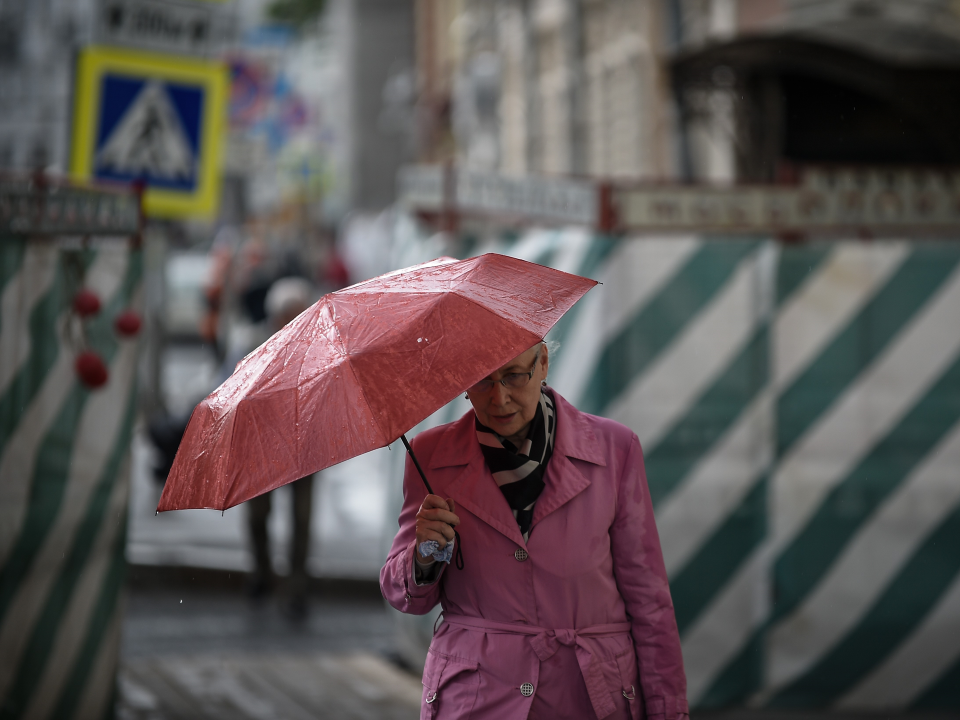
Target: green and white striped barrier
[(799, 409), (865, 533), (64, 462)]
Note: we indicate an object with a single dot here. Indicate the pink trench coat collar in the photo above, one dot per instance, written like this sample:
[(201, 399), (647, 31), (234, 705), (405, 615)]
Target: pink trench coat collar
[(581, 619), (459, 446)]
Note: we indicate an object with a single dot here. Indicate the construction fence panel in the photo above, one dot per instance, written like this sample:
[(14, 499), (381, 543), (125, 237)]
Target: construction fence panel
[(865, 517), (64, 464)]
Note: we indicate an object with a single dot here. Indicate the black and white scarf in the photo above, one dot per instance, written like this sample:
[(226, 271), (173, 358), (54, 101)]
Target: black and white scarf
[(519, 471)]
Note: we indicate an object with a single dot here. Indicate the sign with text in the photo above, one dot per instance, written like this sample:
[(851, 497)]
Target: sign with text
[(155, 119), (31, 208), (825, 200), (174, 26), (558, 200)]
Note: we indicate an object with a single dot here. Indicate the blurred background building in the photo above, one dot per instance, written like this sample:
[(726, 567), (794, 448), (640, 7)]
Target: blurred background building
[(689, 90)]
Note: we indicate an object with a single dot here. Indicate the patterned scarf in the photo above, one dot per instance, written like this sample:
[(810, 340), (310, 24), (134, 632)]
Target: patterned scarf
[(519, 471)]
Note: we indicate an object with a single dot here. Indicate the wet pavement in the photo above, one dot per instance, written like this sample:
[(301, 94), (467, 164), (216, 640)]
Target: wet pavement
[(195, 645)]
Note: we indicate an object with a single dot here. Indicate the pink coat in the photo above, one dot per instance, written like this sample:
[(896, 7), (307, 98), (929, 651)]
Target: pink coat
[(555, 628)]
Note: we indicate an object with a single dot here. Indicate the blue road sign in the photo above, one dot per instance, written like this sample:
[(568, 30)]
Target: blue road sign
[(139, 123), (152, 118)]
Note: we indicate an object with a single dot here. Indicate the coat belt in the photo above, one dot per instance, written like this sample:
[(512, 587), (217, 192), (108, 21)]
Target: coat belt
[(546, 642)]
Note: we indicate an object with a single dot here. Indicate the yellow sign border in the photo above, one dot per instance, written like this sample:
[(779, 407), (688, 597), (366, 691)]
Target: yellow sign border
[(94, 62)]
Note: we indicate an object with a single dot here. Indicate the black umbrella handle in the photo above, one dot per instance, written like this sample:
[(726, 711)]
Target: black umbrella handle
[(458, 554), (417, 463)]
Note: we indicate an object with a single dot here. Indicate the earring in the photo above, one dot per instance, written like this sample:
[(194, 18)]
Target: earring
[(543, 383), (466, 397)]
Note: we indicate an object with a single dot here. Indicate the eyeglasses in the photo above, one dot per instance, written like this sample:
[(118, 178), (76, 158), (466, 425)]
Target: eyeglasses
[(513, 380)]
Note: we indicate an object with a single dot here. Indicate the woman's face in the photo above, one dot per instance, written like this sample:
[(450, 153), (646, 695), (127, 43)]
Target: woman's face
[(508, 411)]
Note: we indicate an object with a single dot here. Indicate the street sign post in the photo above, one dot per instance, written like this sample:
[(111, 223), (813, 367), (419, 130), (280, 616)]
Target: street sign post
[(156, 119)]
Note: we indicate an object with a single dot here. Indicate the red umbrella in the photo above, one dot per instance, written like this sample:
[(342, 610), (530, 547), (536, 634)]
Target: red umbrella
[(358, 369)]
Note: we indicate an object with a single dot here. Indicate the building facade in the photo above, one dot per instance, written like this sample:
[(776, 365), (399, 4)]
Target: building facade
[(686, 90)]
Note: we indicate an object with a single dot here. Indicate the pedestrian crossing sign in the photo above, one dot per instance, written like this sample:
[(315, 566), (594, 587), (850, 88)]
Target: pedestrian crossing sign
[(159, 119)]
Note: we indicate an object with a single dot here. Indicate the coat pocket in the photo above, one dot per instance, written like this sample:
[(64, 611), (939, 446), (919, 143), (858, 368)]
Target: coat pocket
[(630, 683), (450, 687)]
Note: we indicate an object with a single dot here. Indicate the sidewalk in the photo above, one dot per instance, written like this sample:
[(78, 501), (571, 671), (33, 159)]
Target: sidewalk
[(196, 647)]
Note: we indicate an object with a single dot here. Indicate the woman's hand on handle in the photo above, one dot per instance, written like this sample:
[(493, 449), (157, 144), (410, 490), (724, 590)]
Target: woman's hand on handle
[(435, 521)]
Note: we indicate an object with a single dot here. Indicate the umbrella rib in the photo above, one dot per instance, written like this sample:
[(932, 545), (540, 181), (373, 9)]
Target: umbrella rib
[(495, 314), (230, 483), (297, 408), (363, 394), (348, 361)]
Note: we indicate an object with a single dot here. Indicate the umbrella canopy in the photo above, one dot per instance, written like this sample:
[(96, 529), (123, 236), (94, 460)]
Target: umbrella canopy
[(358, 369)]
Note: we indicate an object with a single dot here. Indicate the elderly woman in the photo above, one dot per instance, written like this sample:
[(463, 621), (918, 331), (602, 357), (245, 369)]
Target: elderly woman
[(561, 608)]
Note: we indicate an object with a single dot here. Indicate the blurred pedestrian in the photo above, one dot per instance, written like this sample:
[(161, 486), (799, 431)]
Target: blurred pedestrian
[(286, 298), (559, 605)]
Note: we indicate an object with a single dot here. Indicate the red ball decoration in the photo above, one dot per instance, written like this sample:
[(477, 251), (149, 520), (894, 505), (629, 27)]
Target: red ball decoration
[(91, 369), (86, 303), (127, 323)]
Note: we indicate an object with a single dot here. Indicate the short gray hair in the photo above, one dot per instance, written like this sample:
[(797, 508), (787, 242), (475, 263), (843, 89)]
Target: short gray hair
[(289, 293)]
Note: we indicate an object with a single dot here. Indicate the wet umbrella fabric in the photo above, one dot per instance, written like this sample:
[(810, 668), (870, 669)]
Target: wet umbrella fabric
[(362, 366)]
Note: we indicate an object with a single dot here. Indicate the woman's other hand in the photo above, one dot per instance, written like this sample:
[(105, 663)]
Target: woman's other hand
[(435, 521)]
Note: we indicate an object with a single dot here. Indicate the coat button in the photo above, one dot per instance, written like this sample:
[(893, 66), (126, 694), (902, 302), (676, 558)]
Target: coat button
[(526, 689), (521, 555)]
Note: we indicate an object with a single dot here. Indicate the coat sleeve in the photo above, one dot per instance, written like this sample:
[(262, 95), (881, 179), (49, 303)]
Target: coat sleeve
[(397, 582), (642, 581)]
